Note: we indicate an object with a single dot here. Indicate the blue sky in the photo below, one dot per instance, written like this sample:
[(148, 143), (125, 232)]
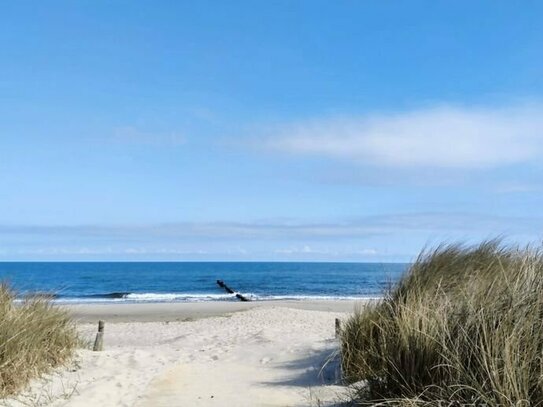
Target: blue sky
[(279, 130)]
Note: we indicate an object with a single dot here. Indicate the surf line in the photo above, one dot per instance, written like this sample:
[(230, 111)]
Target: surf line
[(239, 296)]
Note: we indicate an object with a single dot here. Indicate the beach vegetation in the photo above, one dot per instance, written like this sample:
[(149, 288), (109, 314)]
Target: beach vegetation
[(463, 327), (35, 337)]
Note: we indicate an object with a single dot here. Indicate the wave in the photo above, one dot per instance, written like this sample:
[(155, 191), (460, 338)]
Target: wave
[(145, 297), (317, 297), (114, 295), (195, 297), (179, 297)]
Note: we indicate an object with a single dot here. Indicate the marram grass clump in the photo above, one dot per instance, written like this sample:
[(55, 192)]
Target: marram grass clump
[(464, 326), (35, 336)]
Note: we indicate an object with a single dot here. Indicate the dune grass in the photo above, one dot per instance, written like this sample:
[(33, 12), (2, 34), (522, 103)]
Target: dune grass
[(463, 327), (35, 336)]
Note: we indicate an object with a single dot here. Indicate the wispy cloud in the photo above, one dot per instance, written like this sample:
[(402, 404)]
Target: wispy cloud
[(439, 137), (309, 250), (394, 236), (361, 227)]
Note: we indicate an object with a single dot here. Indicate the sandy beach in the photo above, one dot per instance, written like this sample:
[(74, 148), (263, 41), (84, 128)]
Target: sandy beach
[(201, 354)]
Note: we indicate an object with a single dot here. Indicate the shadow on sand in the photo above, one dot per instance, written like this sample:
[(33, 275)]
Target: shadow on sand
[(316, 370)]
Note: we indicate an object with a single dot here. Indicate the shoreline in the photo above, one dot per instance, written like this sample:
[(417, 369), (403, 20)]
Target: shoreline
[(187, 311)]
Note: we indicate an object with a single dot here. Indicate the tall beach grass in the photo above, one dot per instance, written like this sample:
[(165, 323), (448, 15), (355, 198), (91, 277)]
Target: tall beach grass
[(35, 336), (464, 326)]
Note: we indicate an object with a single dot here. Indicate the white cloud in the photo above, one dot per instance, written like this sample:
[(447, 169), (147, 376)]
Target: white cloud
[(343, 252), (296, 250), (442, 137)]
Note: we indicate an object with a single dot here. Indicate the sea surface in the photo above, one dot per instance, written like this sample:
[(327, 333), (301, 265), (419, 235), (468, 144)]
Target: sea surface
[(197, 281)]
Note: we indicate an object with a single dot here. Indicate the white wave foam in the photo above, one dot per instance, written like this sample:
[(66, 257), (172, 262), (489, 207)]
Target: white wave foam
[(203, 297), (315, 297), (76, 300), (166, 297)]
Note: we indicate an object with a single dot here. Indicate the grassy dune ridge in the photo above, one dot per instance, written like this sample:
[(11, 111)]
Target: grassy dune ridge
[(463, 327), (35, 336)]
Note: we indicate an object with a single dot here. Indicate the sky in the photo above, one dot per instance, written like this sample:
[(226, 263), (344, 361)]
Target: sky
[(271, 131)]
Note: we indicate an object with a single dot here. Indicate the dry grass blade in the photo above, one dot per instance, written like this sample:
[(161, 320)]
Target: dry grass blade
[(464, 326), (35, 336)]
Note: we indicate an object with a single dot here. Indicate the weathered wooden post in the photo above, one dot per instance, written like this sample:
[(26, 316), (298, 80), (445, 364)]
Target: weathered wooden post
[(338, 328), (99, 341)]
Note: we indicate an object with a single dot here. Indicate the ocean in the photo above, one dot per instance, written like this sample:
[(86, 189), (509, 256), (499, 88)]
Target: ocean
[(80, 282)]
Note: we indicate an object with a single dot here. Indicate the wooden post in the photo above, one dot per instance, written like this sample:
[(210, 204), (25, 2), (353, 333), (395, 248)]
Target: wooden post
[(338, 327), (99, 341)]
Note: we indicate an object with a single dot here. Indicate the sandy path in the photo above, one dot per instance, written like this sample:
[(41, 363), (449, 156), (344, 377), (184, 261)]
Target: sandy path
[(255, 358), (265, 356)]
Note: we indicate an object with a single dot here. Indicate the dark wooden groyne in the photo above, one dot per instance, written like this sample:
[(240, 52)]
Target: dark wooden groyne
[(239, 296)]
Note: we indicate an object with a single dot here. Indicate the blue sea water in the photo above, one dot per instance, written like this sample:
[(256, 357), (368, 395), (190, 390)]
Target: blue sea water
[(187, 281)]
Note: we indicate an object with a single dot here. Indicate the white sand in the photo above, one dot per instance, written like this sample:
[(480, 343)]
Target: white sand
[(271, 354)]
